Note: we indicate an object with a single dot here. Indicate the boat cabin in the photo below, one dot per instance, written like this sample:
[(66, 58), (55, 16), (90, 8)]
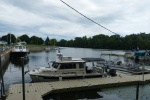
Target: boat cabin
[(69, 65), (19, 48)]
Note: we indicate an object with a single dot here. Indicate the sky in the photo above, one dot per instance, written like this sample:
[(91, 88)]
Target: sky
[(54, 19)]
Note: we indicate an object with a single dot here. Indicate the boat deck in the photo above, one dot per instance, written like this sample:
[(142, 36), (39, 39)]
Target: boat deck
[(35, 91), (132, 70)]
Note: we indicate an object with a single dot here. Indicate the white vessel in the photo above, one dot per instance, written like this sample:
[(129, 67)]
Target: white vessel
[(19, 51), (65, 68)]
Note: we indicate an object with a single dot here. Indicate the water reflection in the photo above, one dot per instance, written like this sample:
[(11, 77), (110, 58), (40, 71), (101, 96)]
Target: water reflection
[(76, 95), (13, 75), (17, 62), (4, 68)]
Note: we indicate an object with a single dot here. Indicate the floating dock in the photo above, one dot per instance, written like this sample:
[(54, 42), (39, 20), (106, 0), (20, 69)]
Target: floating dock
[(5, 55), (35, 91)]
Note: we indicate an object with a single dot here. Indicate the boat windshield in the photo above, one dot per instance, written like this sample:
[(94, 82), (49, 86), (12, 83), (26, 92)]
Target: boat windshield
[(55, 65), (20, 47)]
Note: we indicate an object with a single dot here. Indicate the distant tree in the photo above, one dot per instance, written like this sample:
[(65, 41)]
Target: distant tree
[(9, 38), (36, 40), (40, 41), (62, 42), (18, 40), (25, 38), (47, 41), (4, 38), (53, 42)]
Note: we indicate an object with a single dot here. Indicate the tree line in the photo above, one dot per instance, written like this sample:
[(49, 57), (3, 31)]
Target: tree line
[(11, 38), (117, 42), (101, 41)]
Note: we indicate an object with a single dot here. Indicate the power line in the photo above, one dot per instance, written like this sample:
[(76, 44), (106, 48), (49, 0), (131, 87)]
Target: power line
[(88, 17)]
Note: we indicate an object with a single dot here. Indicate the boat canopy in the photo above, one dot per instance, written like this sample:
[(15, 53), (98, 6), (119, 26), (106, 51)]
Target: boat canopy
[(92, 59), (140, 53)]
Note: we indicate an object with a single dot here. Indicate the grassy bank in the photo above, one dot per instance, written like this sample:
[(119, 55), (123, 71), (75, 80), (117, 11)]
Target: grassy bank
[(36, 48)]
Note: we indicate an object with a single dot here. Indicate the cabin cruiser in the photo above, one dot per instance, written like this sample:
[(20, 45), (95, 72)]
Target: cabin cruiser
[(19, 51), (66, 68)]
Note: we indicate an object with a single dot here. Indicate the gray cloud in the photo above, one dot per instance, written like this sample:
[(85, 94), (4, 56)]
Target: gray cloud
[(54, 19)]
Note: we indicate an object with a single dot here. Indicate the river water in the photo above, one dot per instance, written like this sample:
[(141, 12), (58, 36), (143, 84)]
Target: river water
[(13, 75)]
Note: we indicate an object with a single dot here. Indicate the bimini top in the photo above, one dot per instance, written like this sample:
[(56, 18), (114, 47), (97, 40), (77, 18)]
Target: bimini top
[(140, 53), (92, 59), (62, 59)]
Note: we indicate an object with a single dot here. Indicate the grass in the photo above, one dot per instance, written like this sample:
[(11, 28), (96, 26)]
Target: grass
[(36, 48)]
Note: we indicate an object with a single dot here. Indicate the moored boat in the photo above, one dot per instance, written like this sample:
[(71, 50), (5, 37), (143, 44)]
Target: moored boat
[(66, 68), (19, 51)]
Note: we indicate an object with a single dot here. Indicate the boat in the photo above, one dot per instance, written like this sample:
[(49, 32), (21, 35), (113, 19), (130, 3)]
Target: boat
[(141, 55), (17, 62), (129, 54), (47, 49), (50, 48), (19, 51), (66, 68)]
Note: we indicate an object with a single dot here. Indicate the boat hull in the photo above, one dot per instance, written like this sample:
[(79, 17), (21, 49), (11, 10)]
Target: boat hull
[(18, 54), (40, 78)]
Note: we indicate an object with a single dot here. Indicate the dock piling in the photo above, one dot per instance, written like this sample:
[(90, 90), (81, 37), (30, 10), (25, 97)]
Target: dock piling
[(23, 84), (137, 91), (2, 80)]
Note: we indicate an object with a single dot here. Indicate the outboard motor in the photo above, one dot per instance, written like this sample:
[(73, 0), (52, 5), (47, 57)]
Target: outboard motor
[(112, 72)]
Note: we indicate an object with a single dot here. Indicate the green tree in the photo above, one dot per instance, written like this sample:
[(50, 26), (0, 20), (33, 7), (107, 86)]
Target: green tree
[(18, 40), (53, 42), (47, 41), (34, 40), (25, 38)]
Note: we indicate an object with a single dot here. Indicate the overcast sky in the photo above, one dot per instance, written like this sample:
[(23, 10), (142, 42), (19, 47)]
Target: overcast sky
[(54, 19)]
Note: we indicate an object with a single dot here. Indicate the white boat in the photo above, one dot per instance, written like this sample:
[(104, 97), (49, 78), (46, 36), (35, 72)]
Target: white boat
[(47, 49), (19, 51), (66, 68), (50, 48)]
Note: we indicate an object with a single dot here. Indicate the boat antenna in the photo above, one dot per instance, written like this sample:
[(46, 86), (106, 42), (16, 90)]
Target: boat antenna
[(59, 54)]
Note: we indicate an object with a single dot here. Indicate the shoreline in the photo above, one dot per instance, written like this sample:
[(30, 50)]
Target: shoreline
[(36, 48)]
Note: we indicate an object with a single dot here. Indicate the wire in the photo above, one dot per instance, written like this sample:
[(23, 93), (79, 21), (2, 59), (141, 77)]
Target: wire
[(88, 18)]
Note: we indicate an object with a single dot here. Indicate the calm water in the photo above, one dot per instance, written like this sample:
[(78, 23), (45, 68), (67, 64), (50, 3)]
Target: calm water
[(13, 74)]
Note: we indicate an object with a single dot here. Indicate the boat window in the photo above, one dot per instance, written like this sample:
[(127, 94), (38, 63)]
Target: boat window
[(68, 66), (81, 65), (16, 47), (20, 47), (55, 65)]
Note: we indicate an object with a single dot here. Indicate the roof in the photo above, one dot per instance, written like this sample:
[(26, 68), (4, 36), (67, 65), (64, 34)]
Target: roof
[(140, 53), (92, 59), (71, 61)]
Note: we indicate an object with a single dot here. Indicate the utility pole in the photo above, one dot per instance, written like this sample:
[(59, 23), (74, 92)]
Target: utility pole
[(10, 39)]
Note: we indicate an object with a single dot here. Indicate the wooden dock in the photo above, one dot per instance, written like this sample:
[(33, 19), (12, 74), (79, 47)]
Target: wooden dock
[(35, 91)]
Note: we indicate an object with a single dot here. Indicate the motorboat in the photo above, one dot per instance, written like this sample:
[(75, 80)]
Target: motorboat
[(19, 51), (50, 48), (66, 68)]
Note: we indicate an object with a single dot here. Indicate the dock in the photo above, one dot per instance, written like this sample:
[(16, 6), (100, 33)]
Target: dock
[(5, 55), (35, 91)]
